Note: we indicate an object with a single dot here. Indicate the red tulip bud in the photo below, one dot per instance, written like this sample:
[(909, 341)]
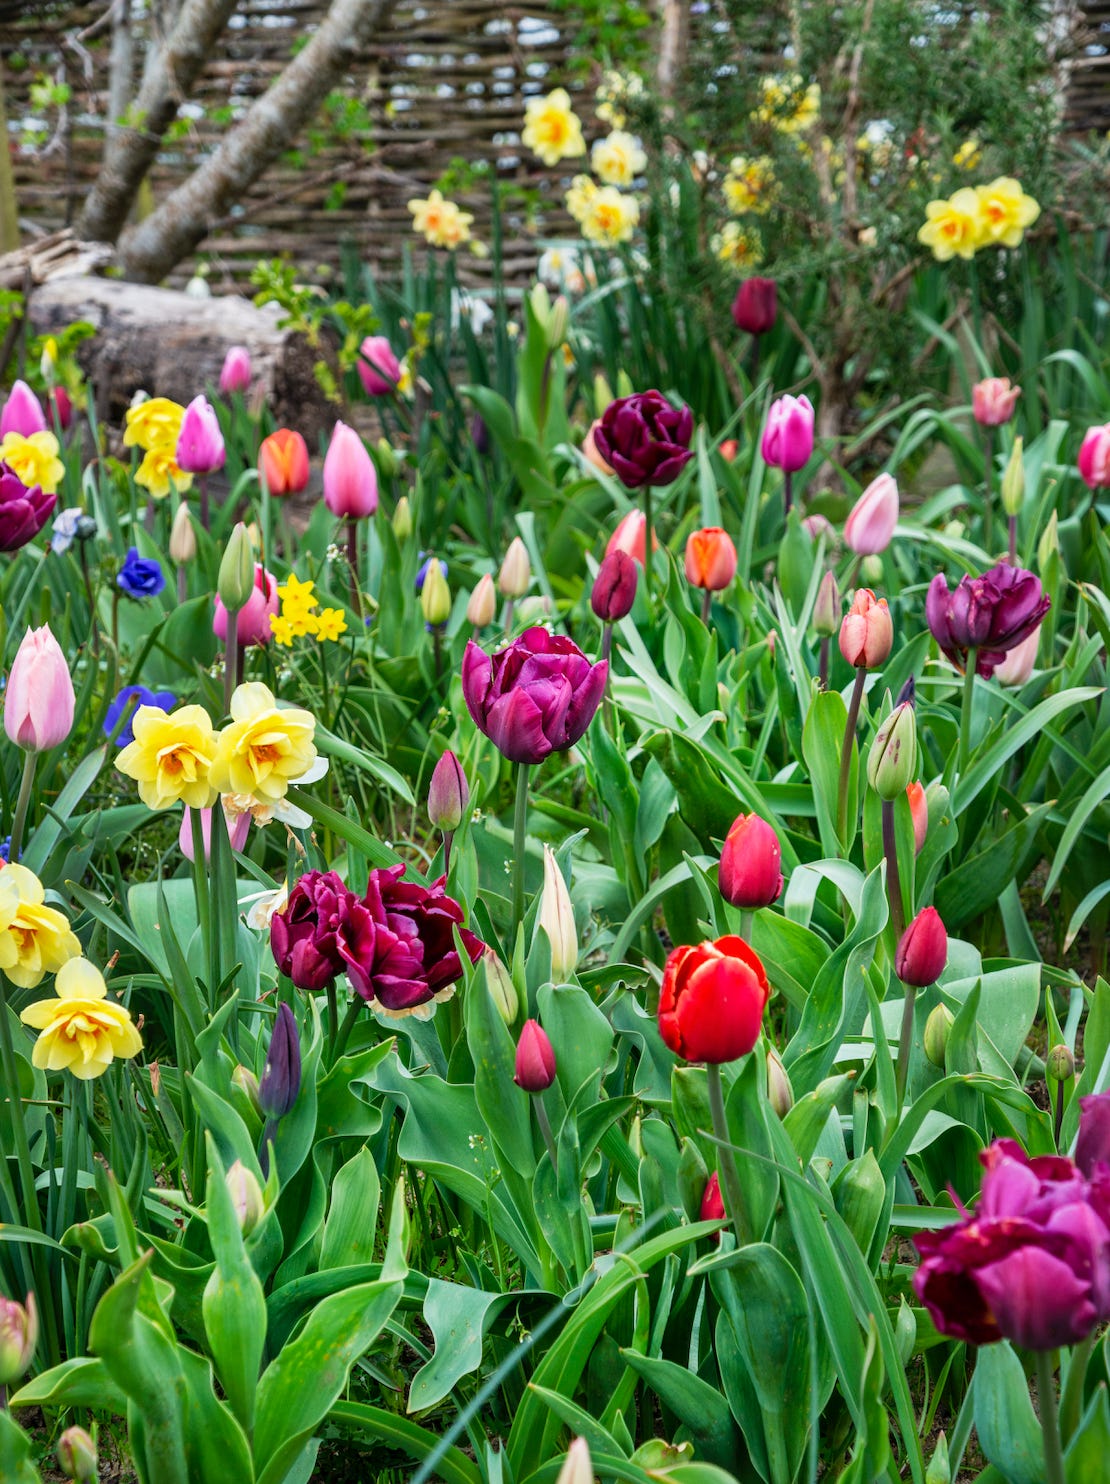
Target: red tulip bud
[(923, 950), (614, 589), (919, 812), (535, 1059), (448, 793), (751, 858), (712, 1203)]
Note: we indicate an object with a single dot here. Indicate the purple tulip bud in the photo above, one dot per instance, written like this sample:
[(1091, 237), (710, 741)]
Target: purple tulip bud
[(788, 436), (614, 589), (448, 793), (644, 439), (1093, 1146), (535, 1059), (281, 1078), (235, 375)]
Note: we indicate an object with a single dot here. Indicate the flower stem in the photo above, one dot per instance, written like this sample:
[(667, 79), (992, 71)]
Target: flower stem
[(747, 917), (706, 599), (647, 545), (787, 492), (26, 783), (893, 878), (965, 710), (904, 1042), (31, 1213), (988, 456), (1050, 1422), (448, 836), (520, 820), (354, 1009), (231, 656), (545, 1129), (1058, 1122), (204, 501), (1013, 540), (846, 755), (823, 664), (333, 1018), (726, 1159), (352, 563)]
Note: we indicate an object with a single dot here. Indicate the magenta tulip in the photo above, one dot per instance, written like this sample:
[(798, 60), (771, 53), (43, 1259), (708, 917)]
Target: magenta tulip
[(235, 374), (253, 624), (200, 444), (236, 831), (756, 305), (788, 436), (535, 696), (23, 511), (1094, 457), (379, 369), (22, 413)]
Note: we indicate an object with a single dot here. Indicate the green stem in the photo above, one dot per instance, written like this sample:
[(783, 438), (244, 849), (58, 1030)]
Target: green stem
[(333, 1019), (905, 1040), (726, 1159), (647, 546), (31, 1213), (1050, 1422), (26, 783), (965, 710), (352, 563), (520, 821), (1071, 1389), (545, 1129), (354, 1010), (231, 655), (988, 512), (846, 755), (747, 917), (1013, 540), (706, 600), (787, 493)]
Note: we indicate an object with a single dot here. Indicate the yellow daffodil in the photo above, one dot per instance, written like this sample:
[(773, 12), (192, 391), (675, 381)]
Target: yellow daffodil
[(968, 155), (580, 197), (263, 749), (81, 1030), (737, 246), (171, 756), (34, 939), (159, 472), (331, 623), (1005, 211), (281, 629), (750, 185), (552, 129), (611, 216), (34, 460), (618, 159), (788, 104), (441, 222), (953, 227), (154, 421), (297, 593)]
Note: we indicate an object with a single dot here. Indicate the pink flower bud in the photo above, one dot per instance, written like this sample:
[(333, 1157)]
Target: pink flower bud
[(1017, 667), (919, 813), (350, 480), (872, 519), (866, 632), (483, 602), (1094, 457), (993, 401), (750, 874), (19, 1332), (379, 369), (923, 950), (631, 537), (200, 444), (448, 793), (22, 413), (788, 436), (710, 559), (253, 626), (237, 832), (235, 376), (39, 700), (535, 1059), (756, 305), (58, 403)]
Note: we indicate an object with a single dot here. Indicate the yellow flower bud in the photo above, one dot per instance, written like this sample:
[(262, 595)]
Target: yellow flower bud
[(435, 595)]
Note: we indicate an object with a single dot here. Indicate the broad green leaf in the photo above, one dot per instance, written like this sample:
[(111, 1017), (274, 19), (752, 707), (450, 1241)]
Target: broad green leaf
[(453, 1466), (700, 1407), (352, 1218), (1009, 1433), (457, 1318)]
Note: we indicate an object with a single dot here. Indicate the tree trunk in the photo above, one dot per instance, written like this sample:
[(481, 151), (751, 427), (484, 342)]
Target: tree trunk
[(9, 210), (129, 151), (120, 67), (149, 250), (674, 44)]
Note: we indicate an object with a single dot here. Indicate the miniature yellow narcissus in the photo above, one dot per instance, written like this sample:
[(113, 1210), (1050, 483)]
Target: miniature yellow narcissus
[(154, 421), (34, 939), (81, 1031), (171, 756), (610, 216), (953, 227), (618, 159), (264, 749), (160, 472), (440, 222), (34, 460), (1005, 211), (552, 129)]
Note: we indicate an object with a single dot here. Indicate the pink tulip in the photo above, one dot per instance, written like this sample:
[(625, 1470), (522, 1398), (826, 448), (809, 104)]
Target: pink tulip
[(788, 436), (631, 537), (350, 480), (39, 700), (22, 412), (253, 626), (1017, 667), (378, 368), (236, 832), (200, 444), (872, 519), (993, 401), (1094, 457), (236, 373)]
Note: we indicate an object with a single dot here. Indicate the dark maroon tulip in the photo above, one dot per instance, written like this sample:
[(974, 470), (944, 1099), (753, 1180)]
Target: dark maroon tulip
[(281, 1079), (304, 935), (750, 875), (756, 305), (645, 439), (1093, 1146), (538, 695), (712, 1202), (991, 614), (23, 511), (614, 589), (479, 434), (448, 793), (1031, 1264), (922, 950), (535, 1058), (401, 951)]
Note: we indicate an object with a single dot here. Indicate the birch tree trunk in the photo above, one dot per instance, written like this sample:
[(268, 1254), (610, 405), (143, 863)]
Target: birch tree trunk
[(151, 248)]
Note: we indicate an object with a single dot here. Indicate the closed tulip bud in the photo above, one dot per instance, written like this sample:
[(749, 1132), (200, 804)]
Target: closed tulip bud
[(1094, 457), (515, 575), (578, 1466), (350, 479), (923, 950), (483, 603), (557, 324), (246, 1197), (19, 1332), (557, 918), (787, 441), (728, 448), (500, 984), (1049, 542), (867, 633), (379, 370), (448, 793), (993, 401), (283, 462), (435, 595), (935, 1040), (386, 457), (535, 1059), (1013, 481), (590, 450), (243, 1078), (870, 524), (235, 582), (77, 1456), (780, 1094), (940, 1467), (631, 537), (1017, 667), (710, 559), (200, 444), (402, 519), (826, 608), (750, 874), (712, 1202), (38, 700), (22, 413), (235, 375), (919, 813), (479, 434), (1060, 1064), (755, 306), (183, 539), (603, 394), (533, 610), (892, 760), (614, 589), (281, 1078), (871, 569), (540, 301)]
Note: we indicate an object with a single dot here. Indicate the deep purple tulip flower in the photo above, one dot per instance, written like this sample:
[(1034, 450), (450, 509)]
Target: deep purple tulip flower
[(538, 695), (644, 439), (23, 511), (304, 936), (991, 614)]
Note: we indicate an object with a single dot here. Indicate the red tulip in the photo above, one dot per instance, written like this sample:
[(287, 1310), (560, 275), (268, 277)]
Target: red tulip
[(923, 950), (750, 875), (614, 589), (712, 1203), (535, 1059), (756, 305), (712, 1001)]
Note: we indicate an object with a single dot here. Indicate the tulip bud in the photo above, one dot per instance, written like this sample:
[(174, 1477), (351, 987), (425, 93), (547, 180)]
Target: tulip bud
[(350, 479), (557, 918), (603, 394), (590, 450), (183, 540), (614, 589), (283, 462), (826, 608), (244, 1079), (1060, 1064), (516, 570), (235, 582), (871, 569), (540, 301), (1094, 457), (1013, 481), (281, 1078), (379, 370), (483, 603), (578, 1467), (940, 1466), (923, 950), (710, 559), (235, 375), (500, 984), (919, 813), (728, 448), (386, 457), (750, 874), (246, 1197), (479, 434), (787, 441), (48, 361), (1017, 667), (535, 1059), (19, 1332), (1048, 544), (755, 306), (712, 1202), (200, 443), (77, 1456), (867, 633), (557, 325), (939, 1023), (402, 519), (870, 524), (780, 1094), (435, 595), (631, 537), (39, 701), (448, 793), (993, 401), (22, 413), (892, 760)]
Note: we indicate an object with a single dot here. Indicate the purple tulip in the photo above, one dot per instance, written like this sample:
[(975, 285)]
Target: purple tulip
[(22, 413), (200, 444), (614, 589), (1093, 1146), (23, 511), (991, 614), (448, 793), (538, 695), (304, 935), (788, 436), (644, 439)]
